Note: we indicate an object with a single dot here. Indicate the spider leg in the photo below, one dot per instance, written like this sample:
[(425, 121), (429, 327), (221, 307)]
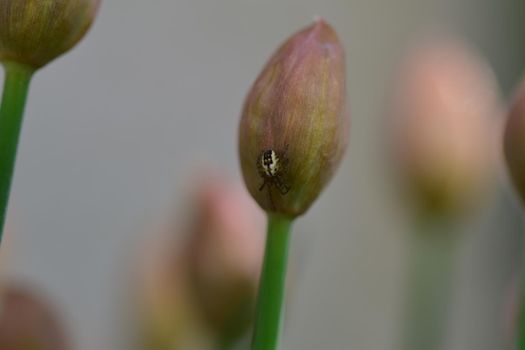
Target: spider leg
[(271, 198), (284, 189), (281, 186), (262, 186)]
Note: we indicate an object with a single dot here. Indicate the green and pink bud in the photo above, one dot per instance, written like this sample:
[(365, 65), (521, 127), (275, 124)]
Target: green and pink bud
[(294, 125), (34, 32)]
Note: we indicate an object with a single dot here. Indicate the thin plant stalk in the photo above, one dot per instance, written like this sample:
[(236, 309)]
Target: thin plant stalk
[(16, 86), (269, 313), (429, 285)]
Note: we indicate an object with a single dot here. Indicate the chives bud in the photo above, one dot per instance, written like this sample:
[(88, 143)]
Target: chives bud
[(203, 291), (444, 133), (294, 125), (27, 322), (34, 32), (514, 144), (225, 254), (443, 138)]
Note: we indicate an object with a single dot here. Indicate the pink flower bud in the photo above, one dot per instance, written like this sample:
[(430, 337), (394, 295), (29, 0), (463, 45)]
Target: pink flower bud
[(294, 126), (445, 106), (27, 322), (208, 283), (225, 255)]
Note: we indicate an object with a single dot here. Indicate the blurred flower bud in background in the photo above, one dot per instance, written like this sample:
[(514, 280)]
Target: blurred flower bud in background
[(225, 256), (202, 292), (445, 126), (27, 322), (34, 32), (514, 142), (294, 125), (167, 318)]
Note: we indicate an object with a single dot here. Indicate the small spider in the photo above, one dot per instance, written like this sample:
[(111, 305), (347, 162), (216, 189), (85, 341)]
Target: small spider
[(271, 167)]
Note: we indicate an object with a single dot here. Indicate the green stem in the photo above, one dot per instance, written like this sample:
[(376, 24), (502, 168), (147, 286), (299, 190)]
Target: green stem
[(269, 311), (431, 267), (16, 86)]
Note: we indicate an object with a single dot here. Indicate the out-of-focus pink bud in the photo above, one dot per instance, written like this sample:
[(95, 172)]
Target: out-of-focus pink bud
[(27, 322), (205, 285), (225, 255), (445, 105), (167, 318), (514, 142)]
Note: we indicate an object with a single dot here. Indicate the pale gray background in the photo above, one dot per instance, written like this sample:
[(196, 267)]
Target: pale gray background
[(115, 130)]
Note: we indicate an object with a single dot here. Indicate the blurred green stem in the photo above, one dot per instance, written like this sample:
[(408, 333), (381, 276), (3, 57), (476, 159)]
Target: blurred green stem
[(16, 86), (430, 277), (269, 313)]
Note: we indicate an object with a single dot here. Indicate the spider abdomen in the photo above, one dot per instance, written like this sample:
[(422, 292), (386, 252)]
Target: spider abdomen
[(270, 163), (271, 168)]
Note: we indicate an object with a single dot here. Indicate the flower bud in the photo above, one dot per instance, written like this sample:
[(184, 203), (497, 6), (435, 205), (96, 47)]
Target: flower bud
[(27, 322), (34, 32), (196, 292), (165, 313), (514, 142), (444, 127), (225, 254), (294, 126)]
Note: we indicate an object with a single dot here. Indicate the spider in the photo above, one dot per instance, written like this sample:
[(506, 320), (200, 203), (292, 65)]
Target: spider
[(271, 167)]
